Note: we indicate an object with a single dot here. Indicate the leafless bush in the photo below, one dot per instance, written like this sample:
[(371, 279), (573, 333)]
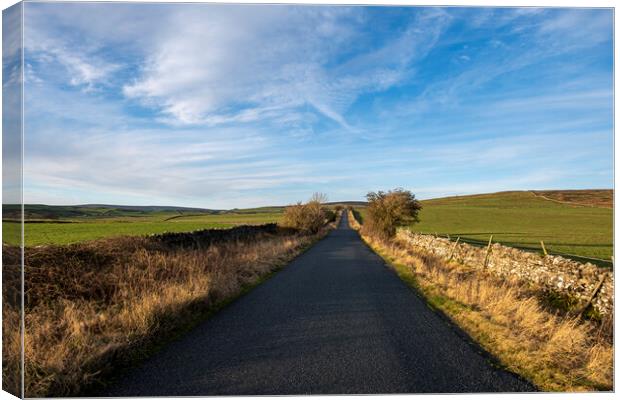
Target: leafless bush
[(309, 217)]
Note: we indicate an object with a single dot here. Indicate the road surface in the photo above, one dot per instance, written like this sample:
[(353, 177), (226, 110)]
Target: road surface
[(334, 321)]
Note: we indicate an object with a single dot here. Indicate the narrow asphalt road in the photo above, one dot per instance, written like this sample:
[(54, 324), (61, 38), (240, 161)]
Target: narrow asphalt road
[(335, 321)]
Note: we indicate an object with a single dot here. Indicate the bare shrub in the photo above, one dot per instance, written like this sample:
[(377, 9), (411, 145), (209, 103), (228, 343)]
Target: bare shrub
[(387, 211), (309, 217)]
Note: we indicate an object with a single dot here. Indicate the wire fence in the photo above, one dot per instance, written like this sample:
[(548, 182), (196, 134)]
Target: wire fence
[(483, 243)]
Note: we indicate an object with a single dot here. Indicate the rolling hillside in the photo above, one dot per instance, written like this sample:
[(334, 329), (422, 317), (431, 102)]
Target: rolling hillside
[(569, 222), (92, 211), (580, 225), (523, 219)]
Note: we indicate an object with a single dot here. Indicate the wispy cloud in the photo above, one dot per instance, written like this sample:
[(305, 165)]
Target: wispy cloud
[(241, 105), (237, 64), (82, 68), (534, 36)]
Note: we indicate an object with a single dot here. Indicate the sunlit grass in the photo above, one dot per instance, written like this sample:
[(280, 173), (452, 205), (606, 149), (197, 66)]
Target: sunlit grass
[(82, 230)]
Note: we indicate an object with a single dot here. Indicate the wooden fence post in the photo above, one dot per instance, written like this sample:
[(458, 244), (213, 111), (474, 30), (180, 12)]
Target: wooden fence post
[(454, 248), (542, 244), (486, 257), (593, 295)]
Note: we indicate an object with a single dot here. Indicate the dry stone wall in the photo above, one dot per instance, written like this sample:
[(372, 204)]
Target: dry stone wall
[(553, 273), (206, 237)]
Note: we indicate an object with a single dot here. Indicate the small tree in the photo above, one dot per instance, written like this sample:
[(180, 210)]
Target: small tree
[(387, 211), (309, 217), (318, 198)]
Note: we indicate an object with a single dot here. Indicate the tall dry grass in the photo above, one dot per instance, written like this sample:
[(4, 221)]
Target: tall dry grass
[(556, 352), (95, 306), (11, 321)]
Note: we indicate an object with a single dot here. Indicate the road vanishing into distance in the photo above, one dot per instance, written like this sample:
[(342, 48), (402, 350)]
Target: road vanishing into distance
[(336, 320)]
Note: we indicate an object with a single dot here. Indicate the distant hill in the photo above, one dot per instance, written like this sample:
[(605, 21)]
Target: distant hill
[(592, 198), (148, 208), (347, 203), (34, 212), (46, 212), (586, 197)]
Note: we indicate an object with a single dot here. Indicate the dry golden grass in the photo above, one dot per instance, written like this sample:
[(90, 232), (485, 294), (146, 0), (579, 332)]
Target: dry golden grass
[(353, 222), (95, 306), (11, 304), (556, 352)]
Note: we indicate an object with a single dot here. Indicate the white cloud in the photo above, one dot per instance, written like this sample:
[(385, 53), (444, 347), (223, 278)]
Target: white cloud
[(200, 169), (104, 154), (246, 105), (235, 64), (82, 69)]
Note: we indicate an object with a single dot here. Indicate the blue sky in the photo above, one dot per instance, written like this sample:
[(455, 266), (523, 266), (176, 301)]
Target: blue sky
[(223, 106)]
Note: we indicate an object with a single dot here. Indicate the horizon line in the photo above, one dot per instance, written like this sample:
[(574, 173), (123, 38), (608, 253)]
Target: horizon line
[(286, 205)]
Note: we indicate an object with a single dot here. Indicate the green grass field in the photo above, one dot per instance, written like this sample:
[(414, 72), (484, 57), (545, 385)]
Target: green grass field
[(82, 229), (518, 219), (521, 219)]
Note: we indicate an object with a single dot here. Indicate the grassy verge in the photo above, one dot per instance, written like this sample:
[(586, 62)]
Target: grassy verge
[(96, 306), (555, 352)]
